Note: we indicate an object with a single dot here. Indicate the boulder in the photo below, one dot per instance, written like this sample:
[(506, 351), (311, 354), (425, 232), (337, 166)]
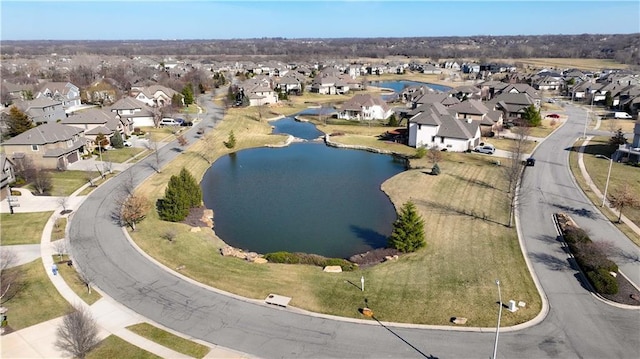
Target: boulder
[(207, 217), (195, 229), (459, 320), (260, 260)]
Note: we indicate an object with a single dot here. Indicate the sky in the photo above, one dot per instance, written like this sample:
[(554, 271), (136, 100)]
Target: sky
[(238, 19)]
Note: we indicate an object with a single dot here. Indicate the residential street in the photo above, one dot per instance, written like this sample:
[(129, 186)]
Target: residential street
[(577, 326)]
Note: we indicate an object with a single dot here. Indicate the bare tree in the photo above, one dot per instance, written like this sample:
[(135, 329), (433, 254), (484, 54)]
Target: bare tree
[(624, 197), (153, 146), (60, 246), (9, 276), (86, 279), (514, 167), (128, 184), (42, 181), (133, 210), (64, 203), (78, 332), (434, 155), (88, 176), (182, 141)]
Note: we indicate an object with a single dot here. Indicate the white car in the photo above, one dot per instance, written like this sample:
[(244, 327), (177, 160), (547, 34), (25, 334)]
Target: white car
[(488, 149), (127, 143)]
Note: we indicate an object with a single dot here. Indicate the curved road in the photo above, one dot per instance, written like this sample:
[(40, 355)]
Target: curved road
[(577, 326)]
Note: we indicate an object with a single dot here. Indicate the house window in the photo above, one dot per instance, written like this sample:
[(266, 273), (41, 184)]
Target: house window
[(34, 147), (433, 138), (441, 139)]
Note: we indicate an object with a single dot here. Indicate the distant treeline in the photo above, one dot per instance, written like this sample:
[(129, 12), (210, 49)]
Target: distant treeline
[(624, 48)]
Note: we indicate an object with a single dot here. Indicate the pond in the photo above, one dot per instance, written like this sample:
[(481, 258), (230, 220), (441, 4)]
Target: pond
[(398, 86), (306, 197)]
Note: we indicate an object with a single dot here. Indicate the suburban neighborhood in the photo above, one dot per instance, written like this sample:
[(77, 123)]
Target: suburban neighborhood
[(513, 183)]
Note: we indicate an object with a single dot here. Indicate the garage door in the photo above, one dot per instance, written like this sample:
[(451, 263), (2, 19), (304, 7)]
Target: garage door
[(72, 157)]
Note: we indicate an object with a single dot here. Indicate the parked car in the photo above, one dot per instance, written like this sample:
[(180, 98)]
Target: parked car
[(171, 122), (200, 131), (553, 115), (486, 148), (530, 162)]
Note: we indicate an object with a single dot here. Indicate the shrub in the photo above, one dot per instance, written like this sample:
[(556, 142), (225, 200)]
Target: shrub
[(282, 257), (343, 263), (308, 259), (576, 235), (603, 281), (420, 152)]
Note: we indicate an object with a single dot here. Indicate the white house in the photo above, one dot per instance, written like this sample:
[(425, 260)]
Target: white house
[(155, 95), (435, 126), (365, 107), (65, 92), (133, 111)]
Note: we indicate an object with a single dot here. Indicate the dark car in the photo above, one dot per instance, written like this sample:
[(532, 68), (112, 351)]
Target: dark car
[(553, 115), (530, 162)]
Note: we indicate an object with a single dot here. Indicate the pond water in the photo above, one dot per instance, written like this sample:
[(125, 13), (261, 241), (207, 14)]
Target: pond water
[(306, 197), (398, 86), (304, 130)]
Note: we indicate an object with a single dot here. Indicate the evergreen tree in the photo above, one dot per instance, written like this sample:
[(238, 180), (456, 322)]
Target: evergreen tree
[(618, 138), (187, 92), (532, 116), (393, 121), (116, 140), (191, 188), (231, 142), (17, 122), (176, 100), (608, 100), (174, 206), (408, 230)]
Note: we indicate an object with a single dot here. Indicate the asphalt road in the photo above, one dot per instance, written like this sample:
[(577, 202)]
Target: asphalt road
[(577, 326)]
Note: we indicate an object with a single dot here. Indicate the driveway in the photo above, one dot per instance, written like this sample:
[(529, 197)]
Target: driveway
[(577, 325)]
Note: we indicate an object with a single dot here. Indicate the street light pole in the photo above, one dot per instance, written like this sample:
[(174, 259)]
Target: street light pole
[(606, 186), (495, 344)]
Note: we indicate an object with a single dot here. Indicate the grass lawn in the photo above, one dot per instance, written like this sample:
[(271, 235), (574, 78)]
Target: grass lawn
[(114, 347), (121, 154), (547, 126), (59, 229), (67, 182), (508, 143), (37, 299), (453, 276), (585, 64), (96, 183), (22, 228), (598, 169), (613, 124), (169, 340), (72, 279)]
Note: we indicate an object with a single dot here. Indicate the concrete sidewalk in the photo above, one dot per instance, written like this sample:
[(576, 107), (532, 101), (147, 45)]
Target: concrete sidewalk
[(38, 341)]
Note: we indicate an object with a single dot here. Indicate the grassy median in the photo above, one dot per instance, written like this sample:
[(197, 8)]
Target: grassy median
[(468, 245)]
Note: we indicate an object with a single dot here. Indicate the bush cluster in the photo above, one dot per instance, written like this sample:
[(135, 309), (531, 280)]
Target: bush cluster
[(592, 260), (311, 259)]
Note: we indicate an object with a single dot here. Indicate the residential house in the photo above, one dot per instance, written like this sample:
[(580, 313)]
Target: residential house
[(65, 92), (290, 83), (524, 88), (465, 92), (490, 89), (325, 85), (103, 92), (16, 91), (512, 105), (365, 107), (155, 95), (48, 146), (7, 176), (435, 126), (260, 94), (97, 121), (135, 112), (435, 97), (42, 110), (431, 69), (490, 120), (631, 151)]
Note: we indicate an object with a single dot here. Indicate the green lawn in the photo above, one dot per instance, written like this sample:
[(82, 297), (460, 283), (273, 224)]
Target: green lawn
[(169, 340), (36, 301), (67, 182), (598, 169), (468, 245), (121, 155), (59, 228), (22, 228), (112, 347), (508, 143), (72, 279)]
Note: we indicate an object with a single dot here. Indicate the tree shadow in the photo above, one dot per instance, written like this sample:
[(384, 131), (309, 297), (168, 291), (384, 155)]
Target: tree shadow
[(582, 212), (370, 237), (553, 263), (449, 209), (473, 181), (428, 356)]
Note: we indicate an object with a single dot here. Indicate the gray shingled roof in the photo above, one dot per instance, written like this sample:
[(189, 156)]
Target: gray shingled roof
[(44, 134), (458, 129), (89, 116)]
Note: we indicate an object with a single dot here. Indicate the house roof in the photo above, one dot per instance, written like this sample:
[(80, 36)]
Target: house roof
[(44, 134), (100, 130), (436, 114), (89, 116), (127, 103), (357, 102), (453, 128), (59, 87), (472, 107)]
